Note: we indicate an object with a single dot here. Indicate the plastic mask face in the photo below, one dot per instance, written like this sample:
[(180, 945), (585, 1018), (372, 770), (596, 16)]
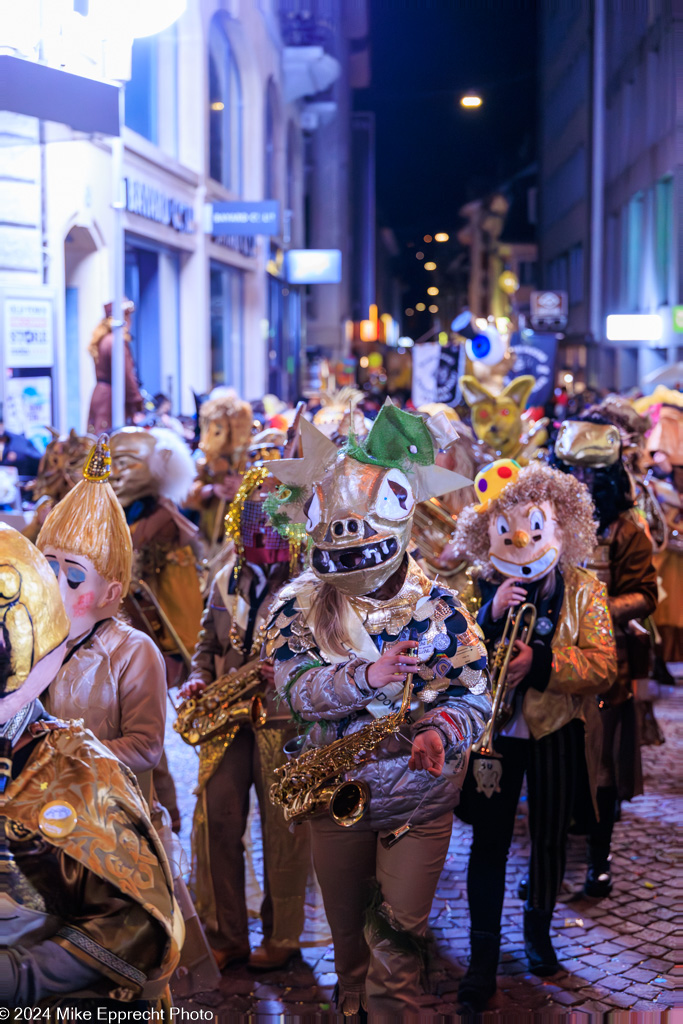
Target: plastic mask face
[(84, 592), (588, 444), (131, 476), (525, 541), (360, 519), (497, 421)]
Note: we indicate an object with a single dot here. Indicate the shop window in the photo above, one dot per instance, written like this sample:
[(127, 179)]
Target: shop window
[(142, 89), (152, 92), (226, 326), (225, 110), (664, 219)]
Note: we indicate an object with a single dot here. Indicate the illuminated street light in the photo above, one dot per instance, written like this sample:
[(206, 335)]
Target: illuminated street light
[(430, 266), (471, 99), (419, 255), (427, 238), (441, 237), (433, 309), (410, 312), (432, 291), (420, 307), (364, 362)]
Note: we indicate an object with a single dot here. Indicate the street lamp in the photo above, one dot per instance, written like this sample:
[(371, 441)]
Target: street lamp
[(471, 99)]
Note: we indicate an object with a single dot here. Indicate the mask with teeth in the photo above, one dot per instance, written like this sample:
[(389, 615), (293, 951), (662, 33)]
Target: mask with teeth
[(358, 503)]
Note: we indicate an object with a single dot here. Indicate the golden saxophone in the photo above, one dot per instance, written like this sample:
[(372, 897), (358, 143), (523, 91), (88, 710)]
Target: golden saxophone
[(519, 625), (229, 702), (313, 783)]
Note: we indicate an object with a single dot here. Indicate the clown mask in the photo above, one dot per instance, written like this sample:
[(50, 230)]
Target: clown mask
[(525, 541), (88, 597)]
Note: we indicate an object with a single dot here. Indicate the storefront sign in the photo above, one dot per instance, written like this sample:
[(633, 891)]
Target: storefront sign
[(28, 408), (28, 333), (549, 310), (313, 266), (426, 360), (677, 312), (148, 202), (239, 218)]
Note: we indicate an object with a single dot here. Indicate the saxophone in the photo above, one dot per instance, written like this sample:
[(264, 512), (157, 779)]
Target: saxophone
[(223, 707), (314, 783)]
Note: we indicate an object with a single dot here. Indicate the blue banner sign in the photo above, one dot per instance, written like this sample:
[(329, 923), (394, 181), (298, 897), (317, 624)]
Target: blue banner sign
[(242, 218)]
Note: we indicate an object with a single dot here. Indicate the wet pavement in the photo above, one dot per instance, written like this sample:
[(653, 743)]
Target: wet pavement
[(618, 954)]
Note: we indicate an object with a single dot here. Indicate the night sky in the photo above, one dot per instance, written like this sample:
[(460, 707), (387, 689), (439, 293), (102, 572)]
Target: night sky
[(432, 156)]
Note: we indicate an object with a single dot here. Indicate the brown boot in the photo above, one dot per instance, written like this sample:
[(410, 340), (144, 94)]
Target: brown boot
[(272, 958), (230, 957)]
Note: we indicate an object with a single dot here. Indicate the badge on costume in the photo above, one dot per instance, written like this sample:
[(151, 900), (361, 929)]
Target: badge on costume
[(544, 626), (487, 772), (57, 819)]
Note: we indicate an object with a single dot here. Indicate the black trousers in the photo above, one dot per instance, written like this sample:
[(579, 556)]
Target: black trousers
[(552, 768)]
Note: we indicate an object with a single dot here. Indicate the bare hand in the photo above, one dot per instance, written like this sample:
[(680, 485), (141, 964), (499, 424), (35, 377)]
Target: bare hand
[(520, 666), (393, 665), (192, 688), (428, 753), (509, 595), (267, 671)]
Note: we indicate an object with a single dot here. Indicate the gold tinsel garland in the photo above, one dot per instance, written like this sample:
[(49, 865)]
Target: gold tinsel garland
[(252, 479)]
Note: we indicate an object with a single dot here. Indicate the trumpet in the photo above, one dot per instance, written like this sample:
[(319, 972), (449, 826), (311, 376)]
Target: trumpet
[(314, 783), (519, 625), (225, 705)]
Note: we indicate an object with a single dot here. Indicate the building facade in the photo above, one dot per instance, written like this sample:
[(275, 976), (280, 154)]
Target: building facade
[(611, 217), (226, 104)]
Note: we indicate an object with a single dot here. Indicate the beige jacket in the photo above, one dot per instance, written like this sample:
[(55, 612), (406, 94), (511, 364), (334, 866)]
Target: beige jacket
[(116, 682)]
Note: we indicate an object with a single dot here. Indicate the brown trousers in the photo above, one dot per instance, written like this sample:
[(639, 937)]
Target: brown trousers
[(250, 758), (346, 862)]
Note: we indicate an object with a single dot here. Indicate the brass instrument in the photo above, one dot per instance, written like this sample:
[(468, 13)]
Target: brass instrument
[(519, 625), (314, 784), (148, 615), (225, 705), (433, 527)]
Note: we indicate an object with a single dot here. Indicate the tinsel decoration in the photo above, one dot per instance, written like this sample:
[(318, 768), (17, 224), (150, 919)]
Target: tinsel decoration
[(385, 935), (294, 533), (252, 479)]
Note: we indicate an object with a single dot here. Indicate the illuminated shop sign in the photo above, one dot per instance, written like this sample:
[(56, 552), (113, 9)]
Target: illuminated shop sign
[(313, 266), (634, 327), (148, 202)]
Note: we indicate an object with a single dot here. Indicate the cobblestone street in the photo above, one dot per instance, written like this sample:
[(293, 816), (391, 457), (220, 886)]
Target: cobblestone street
[(618, 954)]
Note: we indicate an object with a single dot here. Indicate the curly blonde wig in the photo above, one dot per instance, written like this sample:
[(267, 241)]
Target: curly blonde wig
[(535, 483)]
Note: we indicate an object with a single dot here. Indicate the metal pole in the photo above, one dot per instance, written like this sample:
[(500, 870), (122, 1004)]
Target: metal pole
[(597, 174), (118, 372)]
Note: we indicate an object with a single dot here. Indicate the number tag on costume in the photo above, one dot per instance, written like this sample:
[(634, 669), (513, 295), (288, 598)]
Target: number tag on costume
[(467, 653), (487, 772)]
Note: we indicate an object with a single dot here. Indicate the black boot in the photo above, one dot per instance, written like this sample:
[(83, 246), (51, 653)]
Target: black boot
[(537, 944), (479, 984)]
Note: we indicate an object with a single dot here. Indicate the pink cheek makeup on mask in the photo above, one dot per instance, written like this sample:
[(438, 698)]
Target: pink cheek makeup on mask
[(84, 603)]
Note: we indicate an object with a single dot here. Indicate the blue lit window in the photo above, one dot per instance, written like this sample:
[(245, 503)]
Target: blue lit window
[(225, 110), (142, 90)]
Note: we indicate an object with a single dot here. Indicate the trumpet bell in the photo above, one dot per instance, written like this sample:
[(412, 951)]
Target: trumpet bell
[(349, 802)]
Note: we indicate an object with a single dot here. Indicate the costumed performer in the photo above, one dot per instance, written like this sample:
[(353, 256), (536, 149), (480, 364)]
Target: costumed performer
[(340, 637), (226, 425), (499, 420), (86, 897), (60, 469), (590, 449), (100, 348), (151, 471), (527, 537), (666, 444), (231, 637)]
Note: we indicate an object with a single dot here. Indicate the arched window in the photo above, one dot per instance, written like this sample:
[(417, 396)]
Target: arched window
[(225, 110)]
